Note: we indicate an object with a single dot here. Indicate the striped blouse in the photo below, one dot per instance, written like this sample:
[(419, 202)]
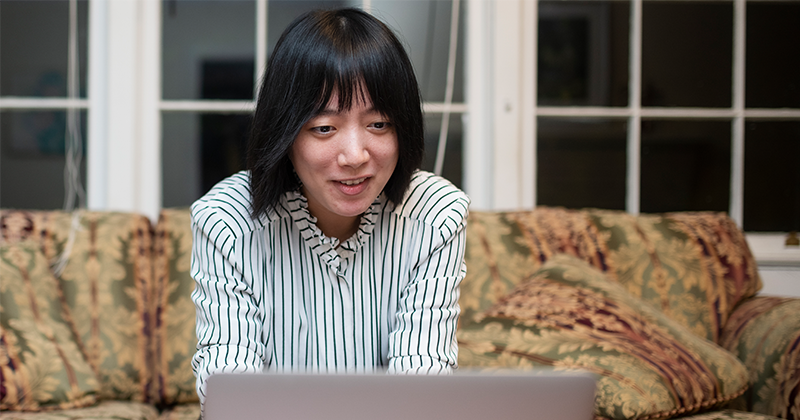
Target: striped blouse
[(276, 294)]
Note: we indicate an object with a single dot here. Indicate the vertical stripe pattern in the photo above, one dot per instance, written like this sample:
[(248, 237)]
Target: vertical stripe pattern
[(275, 294)]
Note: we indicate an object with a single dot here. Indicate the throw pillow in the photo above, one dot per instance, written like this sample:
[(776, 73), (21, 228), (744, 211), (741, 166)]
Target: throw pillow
[(571, 316), (41, 365), (695, 267)]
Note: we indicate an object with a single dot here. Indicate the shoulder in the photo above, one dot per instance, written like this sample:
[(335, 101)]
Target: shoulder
[(434, 201), (229, 203)]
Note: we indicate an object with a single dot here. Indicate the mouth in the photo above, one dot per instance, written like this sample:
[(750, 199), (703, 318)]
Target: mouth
[(351, 182)]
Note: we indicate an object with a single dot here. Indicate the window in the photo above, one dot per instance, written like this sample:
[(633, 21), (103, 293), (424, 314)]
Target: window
[(43, 105), (641, 105), (653, 106)]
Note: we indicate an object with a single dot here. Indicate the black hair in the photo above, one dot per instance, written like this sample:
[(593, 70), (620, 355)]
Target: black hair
[(345, 52)]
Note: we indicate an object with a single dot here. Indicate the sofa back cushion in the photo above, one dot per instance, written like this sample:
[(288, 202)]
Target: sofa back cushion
[(174, 337), (570, 315), (42, 367), (694, 267), (105, 287)]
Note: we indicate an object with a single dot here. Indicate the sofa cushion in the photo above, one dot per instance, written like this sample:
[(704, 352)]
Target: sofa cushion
[(694, 267), (764, 332), (106, 284), (105, 410), (569, 315), (41, 365), (174, 338), (729, 415), (182, 412)]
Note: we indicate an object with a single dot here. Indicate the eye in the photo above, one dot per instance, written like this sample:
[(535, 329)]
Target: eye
[(323, 129), (381, 125)]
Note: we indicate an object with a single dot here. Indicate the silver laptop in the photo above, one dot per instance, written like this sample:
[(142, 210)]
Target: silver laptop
[(537, 395)]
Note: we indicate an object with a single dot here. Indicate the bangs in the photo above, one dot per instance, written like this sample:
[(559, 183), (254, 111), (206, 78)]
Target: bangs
[(346, 90)]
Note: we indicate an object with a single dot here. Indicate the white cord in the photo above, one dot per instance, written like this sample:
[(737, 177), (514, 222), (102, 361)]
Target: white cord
[(73, 148), (448, 93)]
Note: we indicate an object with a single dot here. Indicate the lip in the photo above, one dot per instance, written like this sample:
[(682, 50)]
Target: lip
[(354, 189)]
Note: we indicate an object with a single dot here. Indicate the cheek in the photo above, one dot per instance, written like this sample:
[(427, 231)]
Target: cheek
[(389, 153), (303, 154)]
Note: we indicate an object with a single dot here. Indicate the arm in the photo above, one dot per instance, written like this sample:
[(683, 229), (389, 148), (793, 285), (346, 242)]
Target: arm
[(229, 321), (424, 337), (764, 333)]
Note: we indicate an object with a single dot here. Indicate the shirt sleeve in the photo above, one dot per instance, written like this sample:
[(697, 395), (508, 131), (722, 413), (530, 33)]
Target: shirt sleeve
[(424, 338), (229, 321)]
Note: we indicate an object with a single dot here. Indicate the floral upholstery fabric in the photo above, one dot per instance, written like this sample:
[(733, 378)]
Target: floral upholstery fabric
[(504, 249), (125, 295), (174, 339), (105, 285), (41, 366), (694, 267), (729, 415), (106, 410), (765, 333), (569, 315), (182, 412)]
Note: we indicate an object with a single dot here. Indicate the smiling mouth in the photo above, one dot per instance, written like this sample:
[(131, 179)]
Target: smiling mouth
[(352, 182)]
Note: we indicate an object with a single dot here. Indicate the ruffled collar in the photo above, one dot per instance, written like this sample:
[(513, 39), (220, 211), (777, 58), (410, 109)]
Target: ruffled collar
[(330, 249)]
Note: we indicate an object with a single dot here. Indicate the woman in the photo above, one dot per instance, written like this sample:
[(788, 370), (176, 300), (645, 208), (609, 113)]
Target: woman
[(332, 253)]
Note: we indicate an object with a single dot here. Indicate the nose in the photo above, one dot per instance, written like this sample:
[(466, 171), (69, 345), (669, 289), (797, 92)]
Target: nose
[(353, 151)]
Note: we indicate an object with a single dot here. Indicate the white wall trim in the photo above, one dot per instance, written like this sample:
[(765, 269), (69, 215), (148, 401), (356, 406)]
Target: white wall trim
[(149, 164), (528, 165), (478, 169), (97, 119), (124, 168), (507, 105)]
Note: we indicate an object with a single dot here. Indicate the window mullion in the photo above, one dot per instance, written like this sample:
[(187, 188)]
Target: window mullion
[(633, 195), (737, 130)]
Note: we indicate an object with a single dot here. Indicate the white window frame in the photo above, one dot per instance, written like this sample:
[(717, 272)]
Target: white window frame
[(507, 181)]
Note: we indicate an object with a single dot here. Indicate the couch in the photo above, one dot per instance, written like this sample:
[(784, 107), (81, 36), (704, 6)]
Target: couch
[(96, 320)]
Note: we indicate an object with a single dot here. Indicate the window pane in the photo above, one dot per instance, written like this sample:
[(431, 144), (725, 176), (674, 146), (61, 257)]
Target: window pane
[(772, 176), (208, 49), (687, 53), (583, 53), (32, 159), (452, 168), (280, 13), (773, 59), (34, 48), (685, 166), (199, 150), (581, 163), (423, 26)]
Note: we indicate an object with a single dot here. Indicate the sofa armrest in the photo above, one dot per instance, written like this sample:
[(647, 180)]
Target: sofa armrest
[(764, 332)]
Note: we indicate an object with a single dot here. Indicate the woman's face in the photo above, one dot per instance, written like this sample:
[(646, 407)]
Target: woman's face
[(344, 158)]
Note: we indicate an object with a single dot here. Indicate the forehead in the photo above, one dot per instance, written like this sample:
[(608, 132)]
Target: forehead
[(358, 98)]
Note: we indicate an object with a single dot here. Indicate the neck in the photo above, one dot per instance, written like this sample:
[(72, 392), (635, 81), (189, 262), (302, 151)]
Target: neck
[(342, 228)]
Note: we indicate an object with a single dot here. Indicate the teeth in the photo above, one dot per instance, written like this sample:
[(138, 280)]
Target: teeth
[(353, 181)]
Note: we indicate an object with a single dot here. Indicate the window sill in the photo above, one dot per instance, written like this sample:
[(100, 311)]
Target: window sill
[(769, 250)]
